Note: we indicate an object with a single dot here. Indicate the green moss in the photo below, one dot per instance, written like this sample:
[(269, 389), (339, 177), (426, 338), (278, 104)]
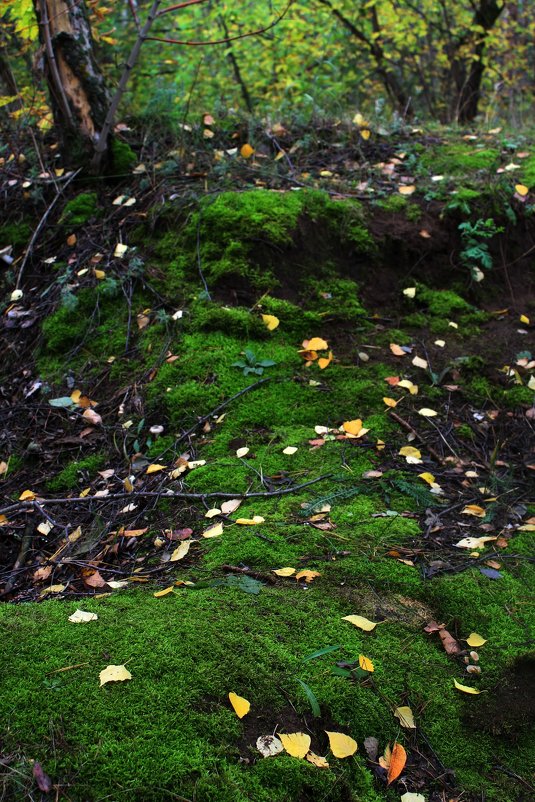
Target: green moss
[(527, 173), (123, 157), (397, 204), (80, 210), (15, 234), (240, 237), (459, 159), (77, 472)]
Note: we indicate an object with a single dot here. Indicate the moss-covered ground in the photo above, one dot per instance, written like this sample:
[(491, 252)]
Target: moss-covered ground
[(169, 732)]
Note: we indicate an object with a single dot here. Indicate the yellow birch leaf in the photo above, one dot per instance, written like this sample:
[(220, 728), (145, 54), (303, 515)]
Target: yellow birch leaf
[(120, 250), (44, 528), (284, 571), (397, 350), (390, 402), (474, 640), (164, 592), (524, 319), (325, 361), (212, 513), (53, 589), (155, 467), (317, 344), (241, 706), (71, 240), (99, 274), (440, 343), (473, 542), (289, 450), (352, 426), (465, 688), (409, 292), (411, 454), (341, 745), (81, 617), (231, 505), (531, 383), (241, 452), (256, 519), (427, 477), (213, 531), (317, 760), (405, 716), (296, 744), (271, 321), (473, 509), (246, 151), (361, 622), (406, 189), (365, 133), (427, 413), (522, 190), (366, 664), (114, 674), (180, 551), (308, 576)]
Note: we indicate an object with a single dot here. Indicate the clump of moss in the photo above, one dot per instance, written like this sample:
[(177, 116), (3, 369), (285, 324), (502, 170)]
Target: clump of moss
[(77, 472), (123, 157), (442, 306), (15, 234), (80, 210), (239, 238), (400, 205), (236, 321), (528, 172), (459, 159)]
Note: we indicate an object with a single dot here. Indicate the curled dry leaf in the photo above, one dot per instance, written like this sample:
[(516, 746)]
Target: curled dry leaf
[(449, 643), (307, 575), (405, 716), (465, 688), (397, 762), (317, 760)]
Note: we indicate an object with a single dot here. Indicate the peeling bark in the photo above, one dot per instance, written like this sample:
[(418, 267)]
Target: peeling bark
[(76, 85)]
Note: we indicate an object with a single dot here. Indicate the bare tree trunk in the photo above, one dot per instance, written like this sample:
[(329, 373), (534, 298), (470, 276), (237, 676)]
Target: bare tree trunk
[(469, 90), (76, 85)]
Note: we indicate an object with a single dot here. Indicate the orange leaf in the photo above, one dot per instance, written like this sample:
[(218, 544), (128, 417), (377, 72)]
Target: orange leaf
[(397, 762)]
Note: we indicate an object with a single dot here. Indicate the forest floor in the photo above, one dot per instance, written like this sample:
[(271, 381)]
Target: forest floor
[(269, 419)]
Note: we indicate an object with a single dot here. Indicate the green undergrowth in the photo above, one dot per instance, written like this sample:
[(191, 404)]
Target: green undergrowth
[(170, 732)]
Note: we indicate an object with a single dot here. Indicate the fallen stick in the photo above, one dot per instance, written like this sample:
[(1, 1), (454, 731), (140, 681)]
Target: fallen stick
[(26, 505), (406, 425)]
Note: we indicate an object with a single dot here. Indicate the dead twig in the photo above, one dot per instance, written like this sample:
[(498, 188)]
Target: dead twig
[(25, 505), (406, 425), (235, 569)]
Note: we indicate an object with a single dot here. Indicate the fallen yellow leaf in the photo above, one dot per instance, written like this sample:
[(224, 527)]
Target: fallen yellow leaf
[(256, 519), (405, 716), (284, 571), (317, 760), (524, 319), (361, 622), (397, 350), (155, 467), (27, 495), (406, 189), (181, 551), (241, 706), (241, 452), (411, 454), (246, 151), (325, 361), (271, 321), (352, 426), (473, 509), (289, 450), (308, 576), (418, 362), (341, 745), (427, 477), (474, 640), (390, 402), (409, 292), (296, 744), (465, 688), (316, 344), (114, 674), (81, 617), (427, 413), (365, 663), (522, 190), (398, 759), (164, 592), (213, 531)]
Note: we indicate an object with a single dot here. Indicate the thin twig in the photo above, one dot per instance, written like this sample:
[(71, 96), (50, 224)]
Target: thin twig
[(164, 495), (406, 425), (41, 223)]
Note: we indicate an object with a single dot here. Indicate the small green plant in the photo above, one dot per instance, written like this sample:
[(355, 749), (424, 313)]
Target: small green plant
[(251, 364), (475, 253)]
